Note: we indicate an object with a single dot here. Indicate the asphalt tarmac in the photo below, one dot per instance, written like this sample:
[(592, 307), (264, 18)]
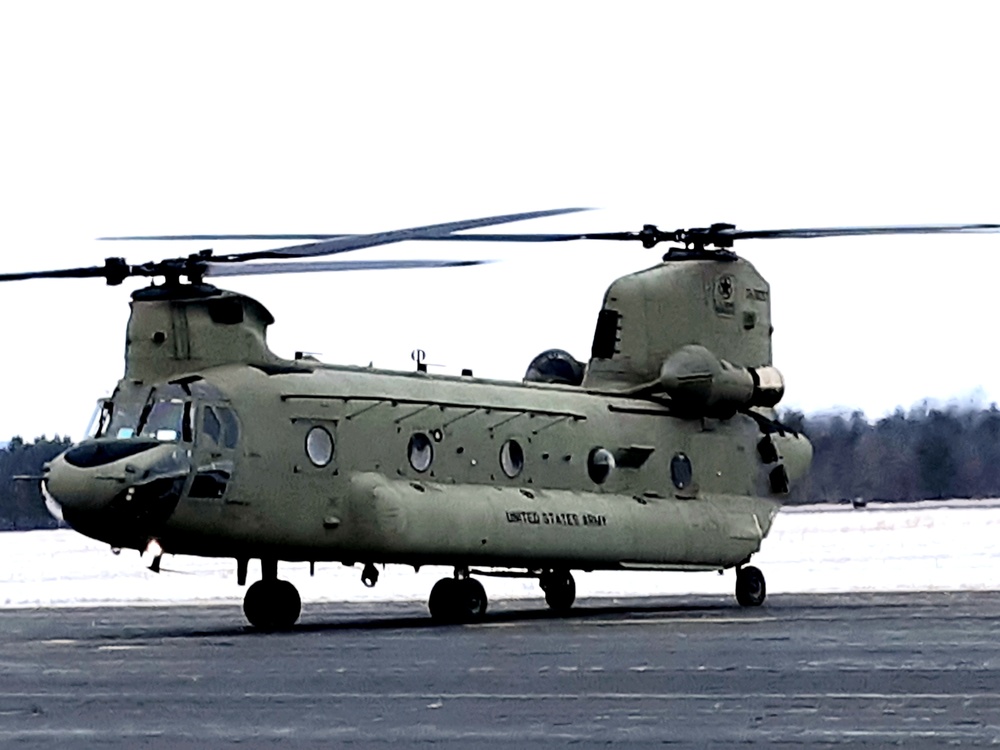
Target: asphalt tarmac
[(861, 670)]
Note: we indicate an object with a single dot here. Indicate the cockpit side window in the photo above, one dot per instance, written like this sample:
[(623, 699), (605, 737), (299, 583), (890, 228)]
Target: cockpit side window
[(219, 425), (230, 427), (211, 426)]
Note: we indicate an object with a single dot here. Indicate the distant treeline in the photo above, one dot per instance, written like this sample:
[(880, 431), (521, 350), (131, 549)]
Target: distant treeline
[(21, 503), (920, 455)]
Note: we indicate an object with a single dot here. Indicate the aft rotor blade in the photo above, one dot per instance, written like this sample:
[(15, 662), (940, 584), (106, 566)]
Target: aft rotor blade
[(255, 269), (743, 234), (724, 235)]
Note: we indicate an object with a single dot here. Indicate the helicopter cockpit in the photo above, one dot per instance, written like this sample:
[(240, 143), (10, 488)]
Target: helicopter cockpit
[(158, 443), (168, 413), (166, 416)]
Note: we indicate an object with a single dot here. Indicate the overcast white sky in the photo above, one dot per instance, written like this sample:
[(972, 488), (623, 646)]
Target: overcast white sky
[(352, 117)]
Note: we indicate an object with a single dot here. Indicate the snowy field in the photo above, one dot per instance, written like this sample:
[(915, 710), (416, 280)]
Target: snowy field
[(927, 546)]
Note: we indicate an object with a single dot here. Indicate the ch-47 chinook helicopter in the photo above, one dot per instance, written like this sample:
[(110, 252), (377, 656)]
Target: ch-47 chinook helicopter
[(660, 453)]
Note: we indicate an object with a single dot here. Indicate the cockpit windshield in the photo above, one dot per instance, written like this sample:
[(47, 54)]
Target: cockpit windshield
[(166, 416), (163, 420), (114, 419)]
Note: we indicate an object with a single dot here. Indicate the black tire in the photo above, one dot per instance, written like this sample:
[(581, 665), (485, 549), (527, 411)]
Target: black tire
[(560, 590), (255, 605), (288, 605), (456, 600), (751, 590), (442, 600), (472, 600), (272, 605)]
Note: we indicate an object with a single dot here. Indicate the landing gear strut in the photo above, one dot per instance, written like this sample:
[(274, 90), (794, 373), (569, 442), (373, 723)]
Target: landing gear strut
[(559, 588), (458, 599), (750, 587), (272, 604)]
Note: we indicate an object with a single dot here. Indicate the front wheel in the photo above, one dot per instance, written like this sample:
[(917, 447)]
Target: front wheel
[(750, 587), (272, 605)]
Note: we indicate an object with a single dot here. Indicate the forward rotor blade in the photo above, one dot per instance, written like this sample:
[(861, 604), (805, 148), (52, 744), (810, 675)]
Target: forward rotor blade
[(347, 244), (255, 269), (533, 237), (113, 271), (209, 237), (430, 237), (343, 244), (67, 273)]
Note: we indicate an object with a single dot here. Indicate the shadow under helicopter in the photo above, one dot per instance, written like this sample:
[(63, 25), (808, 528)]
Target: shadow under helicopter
[(365, 617), (362, 619)]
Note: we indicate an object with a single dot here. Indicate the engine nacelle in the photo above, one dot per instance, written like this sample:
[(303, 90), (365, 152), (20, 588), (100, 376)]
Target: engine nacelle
[(700, 384)]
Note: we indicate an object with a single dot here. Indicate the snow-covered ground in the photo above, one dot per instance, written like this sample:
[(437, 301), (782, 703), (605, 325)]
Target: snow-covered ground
[(945, 546)]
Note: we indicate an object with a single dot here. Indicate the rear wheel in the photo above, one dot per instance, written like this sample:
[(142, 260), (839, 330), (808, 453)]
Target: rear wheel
[(456, 600), (559, 588), (472, 598), (750, 587)]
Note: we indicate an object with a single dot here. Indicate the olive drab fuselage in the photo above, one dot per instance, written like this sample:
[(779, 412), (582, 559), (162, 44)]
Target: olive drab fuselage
[(664, 455), (661, 452)]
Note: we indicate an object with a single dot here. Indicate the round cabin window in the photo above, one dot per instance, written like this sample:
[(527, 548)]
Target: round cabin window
[(319, 446), (600, 464), (681, 471), (420, 451), (512, 458)]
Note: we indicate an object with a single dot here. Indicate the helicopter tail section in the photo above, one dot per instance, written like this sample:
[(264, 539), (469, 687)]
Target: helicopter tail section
[(689, 300)]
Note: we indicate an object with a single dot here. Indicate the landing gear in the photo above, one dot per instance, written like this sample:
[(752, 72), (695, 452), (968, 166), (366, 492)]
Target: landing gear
[(455, 600), (271, 604), (559, 588), (369, 576), (750, 587)]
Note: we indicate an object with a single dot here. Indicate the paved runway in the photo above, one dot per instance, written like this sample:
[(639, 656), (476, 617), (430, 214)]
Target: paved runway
[(863, 670)]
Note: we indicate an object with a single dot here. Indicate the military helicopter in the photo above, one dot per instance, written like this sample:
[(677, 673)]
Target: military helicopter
[(662, 452)]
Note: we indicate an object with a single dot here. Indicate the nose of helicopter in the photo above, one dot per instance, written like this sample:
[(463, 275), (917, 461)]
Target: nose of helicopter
[(118, 491)]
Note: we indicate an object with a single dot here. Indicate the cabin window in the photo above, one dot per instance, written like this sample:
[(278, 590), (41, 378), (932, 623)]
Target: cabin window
[(681, 471), (600, 464), (319, 446), (512, 458), (420, 452)]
